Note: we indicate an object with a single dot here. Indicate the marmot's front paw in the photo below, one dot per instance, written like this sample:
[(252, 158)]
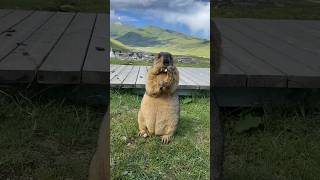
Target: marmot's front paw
[(166, 139), (143, 133), (164, 69), (163, 85), (156, 70), (170, 68)]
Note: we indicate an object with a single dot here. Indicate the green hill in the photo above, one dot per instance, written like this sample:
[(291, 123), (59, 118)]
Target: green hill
[(155, 39), (117, 45)]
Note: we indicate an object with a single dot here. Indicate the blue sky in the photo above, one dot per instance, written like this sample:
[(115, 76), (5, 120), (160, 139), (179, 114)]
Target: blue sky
[(191, 17)]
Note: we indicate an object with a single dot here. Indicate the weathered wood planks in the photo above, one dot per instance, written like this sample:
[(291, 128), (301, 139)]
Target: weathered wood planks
[(69, 48), (21, 32), (128, 76), (13, 19), (141, 78), (64, 63), (21, 65), (298, 74), (96, 66), (4, 12)]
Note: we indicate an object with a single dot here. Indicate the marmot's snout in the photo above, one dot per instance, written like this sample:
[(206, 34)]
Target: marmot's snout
[(166, 62), (166, 57)]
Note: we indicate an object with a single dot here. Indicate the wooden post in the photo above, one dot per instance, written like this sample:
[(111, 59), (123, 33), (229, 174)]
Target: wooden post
[(216, 126)]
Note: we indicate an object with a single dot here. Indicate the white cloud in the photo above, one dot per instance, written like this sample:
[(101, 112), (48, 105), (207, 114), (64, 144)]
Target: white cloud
[(194, 14), (197, 19), (116, 18)]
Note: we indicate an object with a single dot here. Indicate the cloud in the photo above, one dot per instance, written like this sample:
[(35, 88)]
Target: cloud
[(116, 18), (129, 4), (194, 14)]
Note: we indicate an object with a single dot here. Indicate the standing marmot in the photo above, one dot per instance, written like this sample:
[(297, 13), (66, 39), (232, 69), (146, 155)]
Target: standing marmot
[(159, 113)]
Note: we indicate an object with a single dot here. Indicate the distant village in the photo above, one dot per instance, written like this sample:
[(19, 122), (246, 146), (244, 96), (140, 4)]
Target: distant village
[(145, 56)]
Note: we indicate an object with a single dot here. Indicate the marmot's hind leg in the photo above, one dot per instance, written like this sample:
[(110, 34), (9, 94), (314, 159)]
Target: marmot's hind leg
[(143, 131), (165, 139)]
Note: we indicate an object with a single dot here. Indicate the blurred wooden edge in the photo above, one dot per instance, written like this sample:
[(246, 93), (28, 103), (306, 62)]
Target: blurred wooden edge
[(100, 163)]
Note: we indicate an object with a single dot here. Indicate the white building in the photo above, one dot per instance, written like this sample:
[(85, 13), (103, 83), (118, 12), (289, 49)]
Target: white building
[(111, 53)]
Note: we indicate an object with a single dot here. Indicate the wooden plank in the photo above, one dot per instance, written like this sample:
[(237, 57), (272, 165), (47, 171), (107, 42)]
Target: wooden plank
[(305, 58), (185, 81), (22, 32), (202, 73), (125, 76), (199, 75), (116, 71), (64, 63), (13, 19), (113, 67), (4, 13), (131, 79), (142, 77), (117, 80), (260, 74), (21, 65), (294, 70), (229, 75), (195, 81), (290, 32), (96, 68)]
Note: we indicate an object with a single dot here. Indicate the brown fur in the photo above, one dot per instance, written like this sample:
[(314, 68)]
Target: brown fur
[(99, 166), (159, 112)]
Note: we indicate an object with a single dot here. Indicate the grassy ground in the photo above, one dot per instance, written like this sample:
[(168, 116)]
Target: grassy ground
[(284, 145), (203, 63), (57, 5), (46, 137), (298, 9), (133, 157)]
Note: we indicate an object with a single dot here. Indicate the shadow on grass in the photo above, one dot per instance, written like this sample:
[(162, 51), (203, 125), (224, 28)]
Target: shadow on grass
[(45, 136), (284, 146)]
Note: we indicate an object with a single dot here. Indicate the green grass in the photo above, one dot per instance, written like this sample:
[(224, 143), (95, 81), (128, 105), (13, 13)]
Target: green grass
[(45, 138), (186, 157), (286, 145), (57, 5), (297, 9), (202, 63)]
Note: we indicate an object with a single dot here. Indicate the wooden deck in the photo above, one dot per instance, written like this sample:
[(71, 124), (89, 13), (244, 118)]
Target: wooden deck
[(72, 48), (53, 47), (124, 76), (269, 53)]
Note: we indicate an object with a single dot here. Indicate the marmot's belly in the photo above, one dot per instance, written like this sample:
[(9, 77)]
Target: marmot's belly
[(161, 114)]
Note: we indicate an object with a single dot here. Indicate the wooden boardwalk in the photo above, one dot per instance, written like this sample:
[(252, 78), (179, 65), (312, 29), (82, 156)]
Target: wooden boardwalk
[(124, 76), (73, 48), (53, 47), (269, 53)]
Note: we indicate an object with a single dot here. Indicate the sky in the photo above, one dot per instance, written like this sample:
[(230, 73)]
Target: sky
[(191, 17)]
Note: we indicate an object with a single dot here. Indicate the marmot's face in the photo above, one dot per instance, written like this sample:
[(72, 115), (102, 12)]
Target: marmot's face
[(163, 59)]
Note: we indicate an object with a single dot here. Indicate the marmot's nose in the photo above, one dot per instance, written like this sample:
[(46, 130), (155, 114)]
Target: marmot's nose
[(166, 61)]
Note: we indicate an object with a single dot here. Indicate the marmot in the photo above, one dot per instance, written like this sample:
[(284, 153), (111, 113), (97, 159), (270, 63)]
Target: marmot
[(159, 113)]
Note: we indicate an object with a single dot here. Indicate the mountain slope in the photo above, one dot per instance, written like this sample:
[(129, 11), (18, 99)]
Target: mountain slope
[(155, 39), (117, 45)]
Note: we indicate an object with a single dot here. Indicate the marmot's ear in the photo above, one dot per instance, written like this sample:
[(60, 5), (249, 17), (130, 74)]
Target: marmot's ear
[(159, 56)]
